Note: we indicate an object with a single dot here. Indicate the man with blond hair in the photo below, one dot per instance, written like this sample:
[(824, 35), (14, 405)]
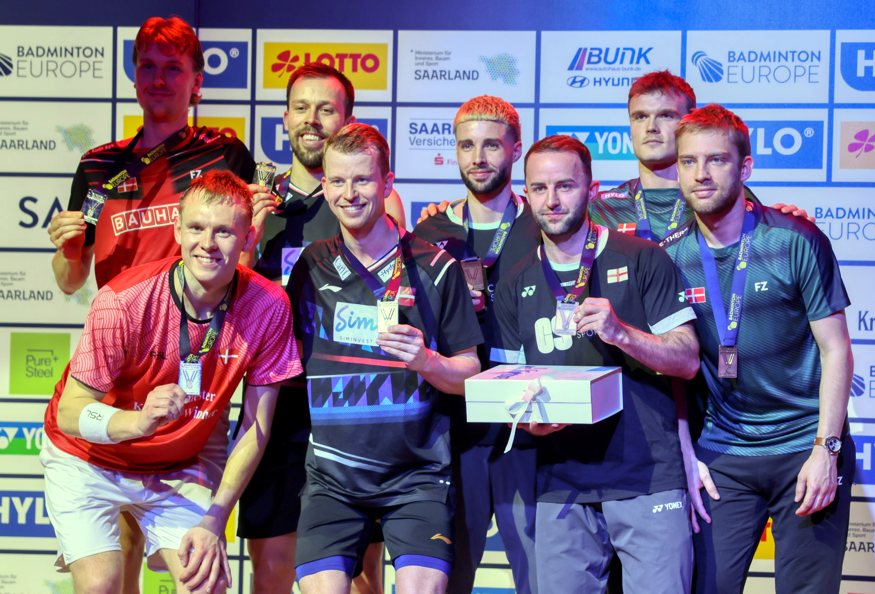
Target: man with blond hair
[(488, 231)]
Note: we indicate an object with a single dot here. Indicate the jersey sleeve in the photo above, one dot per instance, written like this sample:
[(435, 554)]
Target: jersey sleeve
[(78, 190), (100, 356), (817, 274), (662, 291), (459, 329), (277, 357), (508, 345), (240, 161)]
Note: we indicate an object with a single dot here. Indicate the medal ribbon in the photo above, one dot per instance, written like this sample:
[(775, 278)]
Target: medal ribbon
[(212, 335), (137, 167), (390, 291), (499, 238), (283, 189), (643, 228), (587, 257), (727, 322)]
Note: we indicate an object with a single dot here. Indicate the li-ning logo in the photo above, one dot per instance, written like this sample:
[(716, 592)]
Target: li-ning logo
[(528, 291), (441, 538)]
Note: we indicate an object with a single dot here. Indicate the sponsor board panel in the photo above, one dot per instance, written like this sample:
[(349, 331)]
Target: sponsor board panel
[(451, 66), (845, 215), (24, 519), (605, 132), (50, 137), (855, 66), (365, 57), (853, 158), (272, 140), (415, 197), (787, 144), (36, 200), (856, 587), (33, 574), (32, 360), (862, 399), (56, 62), (861, 313), (759, 66), (29, 294), (226, 63), (22, 437), (863, 434), (231, 120), (425, 145), (860, 546), (600, 66)]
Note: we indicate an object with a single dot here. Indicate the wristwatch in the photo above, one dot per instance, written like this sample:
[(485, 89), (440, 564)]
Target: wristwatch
[(832, 444)]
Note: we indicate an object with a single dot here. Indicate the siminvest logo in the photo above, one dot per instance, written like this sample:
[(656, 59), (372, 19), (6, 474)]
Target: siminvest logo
[(363, 63)]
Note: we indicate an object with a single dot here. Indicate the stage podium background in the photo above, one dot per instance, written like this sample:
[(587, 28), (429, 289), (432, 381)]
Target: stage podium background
[(802, 76)]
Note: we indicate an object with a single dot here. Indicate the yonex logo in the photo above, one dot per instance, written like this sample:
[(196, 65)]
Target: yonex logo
[(528, 291), (660, 507)]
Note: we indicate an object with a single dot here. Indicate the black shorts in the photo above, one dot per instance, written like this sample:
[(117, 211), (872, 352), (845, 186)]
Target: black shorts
[(330, 528), (270, 505)]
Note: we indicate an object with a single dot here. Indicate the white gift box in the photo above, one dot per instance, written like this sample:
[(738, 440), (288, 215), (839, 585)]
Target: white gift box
[(563, 394)]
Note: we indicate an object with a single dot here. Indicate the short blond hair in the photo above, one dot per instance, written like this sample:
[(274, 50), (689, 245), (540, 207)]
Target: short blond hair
[(489, 109)]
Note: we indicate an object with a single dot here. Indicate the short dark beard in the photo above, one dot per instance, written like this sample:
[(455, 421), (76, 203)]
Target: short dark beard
[(500, 180)]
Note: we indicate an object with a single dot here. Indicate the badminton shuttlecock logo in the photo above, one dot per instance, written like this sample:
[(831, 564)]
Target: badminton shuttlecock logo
[(709, 69)]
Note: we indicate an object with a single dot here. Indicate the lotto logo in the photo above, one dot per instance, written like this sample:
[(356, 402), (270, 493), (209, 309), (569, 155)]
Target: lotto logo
[(363, 63)]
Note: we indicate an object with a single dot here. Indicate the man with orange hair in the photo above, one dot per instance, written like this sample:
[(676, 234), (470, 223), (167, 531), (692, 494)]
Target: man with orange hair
[(163, 349)]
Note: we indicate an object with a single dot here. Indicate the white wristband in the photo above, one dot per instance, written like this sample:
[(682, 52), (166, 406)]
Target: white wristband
[(94, 422)]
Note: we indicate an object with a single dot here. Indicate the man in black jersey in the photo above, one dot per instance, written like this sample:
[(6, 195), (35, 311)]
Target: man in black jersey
[(386, 323), (592, 296), (320, 100), (489, 231)]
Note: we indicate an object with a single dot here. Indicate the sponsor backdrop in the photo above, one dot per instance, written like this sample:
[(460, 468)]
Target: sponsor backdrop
[(803, 80)]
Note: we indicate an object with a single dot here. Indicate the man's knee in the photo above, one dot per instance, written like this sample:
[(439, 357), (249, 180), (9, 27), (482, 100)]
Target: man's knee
[(97, 574), (330, 581), (273, 562), (413, 579)]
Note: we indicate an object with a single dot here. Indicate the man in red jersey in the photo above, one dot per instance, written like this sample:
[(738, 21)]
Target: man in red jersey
[(164, 346)]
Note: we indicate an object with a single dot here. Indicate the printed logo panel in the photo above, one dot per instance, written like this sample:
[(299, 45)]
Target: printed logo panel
[(22, 436), (600, 66), (50, 137), (425, 145), (862, 399), (787, 144), (30, 295), (365, 57), (355, 324), (37, 361), (226, 63), (759, 66), (605, 132), (452, 66), (853, 145), (56, 62), (230, 120), (35, 573), (36, 201), (272, 140), (845, 215), (861, 312), (855, 67)]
